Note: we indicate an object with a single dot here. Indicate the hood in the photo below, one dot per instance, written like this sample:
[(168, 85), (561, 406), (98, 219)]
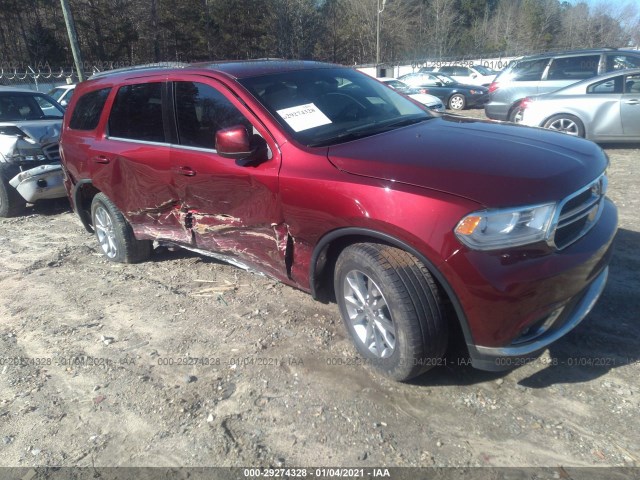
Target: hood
[(29, 139), (496, 165), (40, 131)]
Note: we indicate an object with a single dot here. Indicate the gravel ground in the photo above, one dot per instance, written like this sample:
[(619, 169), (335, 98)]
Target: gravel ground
[(184, 361)]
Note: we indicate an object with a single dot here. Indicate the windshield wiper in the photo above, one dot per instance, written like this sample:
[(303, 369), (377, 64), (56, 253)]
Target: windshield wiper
[(368, 130)]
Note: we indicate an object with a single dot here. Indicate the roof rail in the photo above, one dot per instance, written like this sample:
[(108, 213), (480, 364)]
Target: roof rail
[(135, 68)]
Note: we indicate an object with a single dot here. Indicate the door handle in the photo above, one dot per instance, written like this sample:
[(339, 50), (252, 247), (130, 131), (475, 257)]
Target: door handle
[(186, 171), (101, 159), (633, 102)]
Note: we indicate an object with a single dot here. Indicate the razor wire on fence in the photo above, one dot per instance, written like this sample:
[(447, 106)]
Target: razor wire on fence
[(40, 78)]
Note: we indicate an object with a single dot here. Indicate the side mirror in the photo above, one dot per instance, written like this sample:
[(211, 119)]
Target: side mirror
[(234, 142)]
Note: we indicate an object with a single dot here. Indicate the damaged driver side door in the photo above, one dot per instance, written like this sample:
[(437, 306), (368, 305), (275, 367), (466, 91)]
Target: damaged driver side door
[(231, 206)]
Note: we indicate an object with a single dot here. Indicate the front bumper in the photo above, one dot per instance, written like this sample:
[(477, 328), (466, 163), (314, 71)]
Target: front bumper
[(477, 100), (504, 358), (516, 303), (40, 183)]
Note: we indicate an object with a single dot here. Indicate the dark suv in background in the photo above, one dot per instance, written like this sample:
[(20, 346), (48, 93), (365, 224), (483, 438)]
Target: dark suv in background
[(548, 72), (322, 177)]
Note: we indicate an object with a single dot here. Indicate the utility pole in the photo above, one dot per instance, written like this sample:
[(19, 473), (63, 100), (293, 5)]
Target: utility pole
[(73, 39), (380, 10)]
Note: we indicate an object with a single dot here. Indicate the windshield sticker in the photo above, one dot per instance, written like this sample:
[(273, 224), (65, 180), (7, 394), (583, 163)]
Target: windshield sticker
[(376, 100), (304, 117)]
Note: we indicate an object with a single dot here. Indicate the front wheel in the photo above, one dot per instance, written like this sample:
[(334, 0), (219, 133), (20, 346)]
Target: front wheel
[(114, 234), (11, 202), (457, 102), (392, 309), (565, 123)]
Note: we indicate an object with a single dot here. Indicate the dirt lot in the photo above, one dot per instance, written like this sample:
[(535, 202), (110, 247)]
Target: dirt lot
[(93, 368)]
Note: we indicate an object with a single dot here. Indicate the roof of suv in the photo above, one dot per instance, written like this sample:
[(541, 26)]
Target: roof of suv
[(587, 51), (235, 68)]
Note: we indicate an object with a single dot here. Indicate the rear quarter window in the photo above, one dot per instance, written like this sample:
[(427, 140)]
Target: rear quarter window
[(574, 68), (86, 114), (621, 62), (612, 85)]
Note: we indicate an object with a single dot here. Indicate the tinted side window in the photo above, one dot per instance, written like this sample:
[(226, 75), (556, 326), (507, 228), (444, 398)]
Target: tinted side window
[(529, 70), (137, 113), (574, 68), (88, 109), (447, 70), (201, 111), (632, 84), (619, 62)]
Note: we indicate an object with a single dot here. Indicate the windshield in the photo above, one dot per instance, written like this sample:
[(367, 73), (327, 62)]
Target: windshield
[(484, 70), (396, 84), (445, 79), (27, 106), (56, 93), (325, 106)]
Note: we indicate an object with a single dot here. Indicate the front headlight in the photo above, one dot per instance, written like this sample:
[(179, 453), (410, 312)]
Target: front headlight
[(29, 155), (503, 228), (476, 92)]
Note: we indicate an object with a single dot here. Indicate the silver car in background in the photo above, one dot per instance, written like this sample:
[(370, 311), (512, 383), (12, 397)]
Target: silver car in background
[(30, 168), (549, 72), (603, 109)]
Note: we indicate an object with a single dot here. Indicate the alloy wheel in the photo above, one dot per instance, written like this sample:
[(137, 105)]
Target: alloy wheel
[(565, 125), (369, 314), (105, 232), (457, 102)]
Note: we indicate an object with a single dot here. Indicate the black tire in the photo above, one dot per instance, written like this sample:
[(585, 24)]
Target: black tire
[(11, 202), (457, 102), (515, 115), (114, 234), (413, 308), (565, 123)]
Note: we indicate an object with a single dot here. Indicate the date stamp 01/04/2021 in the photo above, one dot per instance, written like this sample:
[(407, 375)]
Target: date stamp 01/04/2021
[(236, 361)]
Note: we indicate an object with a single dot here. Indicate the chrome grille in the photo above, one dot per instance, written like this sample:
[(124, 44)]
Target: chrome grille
[(579, 212), (52, 152)]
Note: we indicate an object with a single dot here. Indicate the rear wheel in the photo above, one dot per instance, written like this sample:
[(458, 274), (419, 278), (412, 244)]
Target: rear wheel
[(114, 234), (392, 309), (457, 102), (515, 115), (565, 123)]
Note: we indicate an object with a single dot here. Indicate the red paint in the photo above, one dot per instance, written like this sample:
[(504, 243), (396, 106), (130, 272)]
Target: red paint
[(412, 184)]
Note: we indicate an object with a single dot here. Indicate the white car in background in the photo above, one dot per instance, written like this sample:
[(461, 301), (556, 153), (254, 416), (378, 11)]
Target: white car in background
[(431, 102), (62, 94)]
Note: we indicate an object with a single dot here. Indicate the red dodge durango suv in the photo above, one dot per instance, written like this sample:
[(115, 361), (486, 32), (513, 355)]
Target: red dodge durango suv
[(329, 181)]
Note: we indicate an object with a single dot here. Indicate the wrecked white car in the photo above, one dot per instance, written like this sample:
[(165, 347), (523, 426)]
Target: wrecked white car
[(29, 157)]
